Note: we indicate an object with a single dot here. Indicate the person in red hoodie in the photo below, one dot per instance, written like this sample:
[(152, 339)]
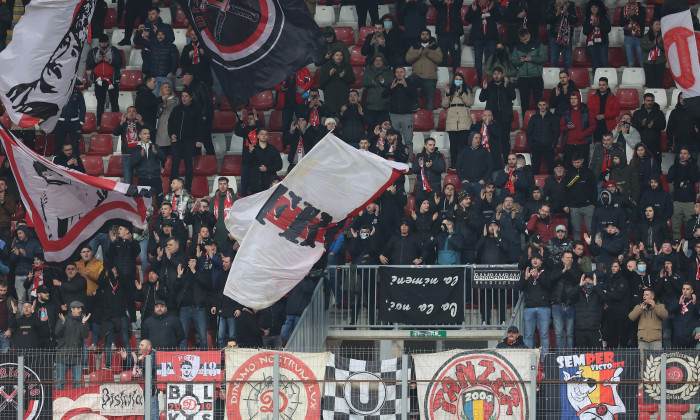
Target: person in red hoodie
[(541, 224), (577, 124), (604, 108)]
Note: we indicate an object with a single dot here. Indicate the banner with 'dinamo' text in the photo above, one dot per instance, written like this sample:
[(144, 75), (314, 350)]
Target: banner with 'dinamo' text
[(283, 230)]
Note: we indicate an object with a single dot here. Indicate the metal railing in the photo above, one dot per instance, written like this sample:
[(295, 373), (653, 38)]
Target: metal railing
[(311, 331)]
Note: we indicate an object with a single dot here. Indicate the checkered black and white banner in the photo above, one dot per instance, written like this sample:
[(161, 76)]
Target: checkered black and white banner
[(364, 391)]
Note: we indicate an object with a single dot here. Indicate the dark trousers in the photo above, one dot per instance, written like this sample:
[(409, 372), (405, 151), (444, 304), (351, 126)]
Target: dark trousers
[(538, 153), (617, 330), (587, 339), (67, 128), (458, 141), (156, 185), (364, 6), (654, 74), (206, 136), (134, 9), (182, 152), (528, 86), (504, 127), (101, 93), (485, 49), (449, 44)]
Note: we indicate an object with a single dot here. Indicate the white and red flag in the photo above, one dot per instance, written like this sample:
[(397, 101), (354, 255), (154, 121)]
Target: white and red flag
[(39, 66), (282, 230), (67, 207), (681, 41)]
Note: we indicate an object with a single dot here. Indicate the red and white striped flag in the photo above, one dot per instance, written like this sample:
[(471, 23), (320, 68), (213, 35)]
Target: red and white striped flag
[(282, 230), (67, 207)]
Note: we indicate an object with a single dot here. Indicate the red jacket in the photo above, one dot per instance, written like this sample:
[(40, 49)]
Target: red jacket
[(612, 108), (304, 81), (544, 228)]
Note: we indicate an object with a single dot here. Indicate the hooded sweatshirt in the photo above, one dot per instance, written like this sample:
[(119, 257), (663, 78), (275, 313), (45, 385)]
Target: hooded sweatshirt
[(625, 176), (659, 199)]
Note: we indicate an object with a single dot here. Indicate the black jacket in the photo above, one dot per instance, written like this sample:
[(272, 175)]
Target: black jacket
[(73, 290), (353, 124), (402, 99), (543, 131), (25, 331), (191, 288), (121, 130), (272, 318), (164, 331), (146, 104), (581, 187), (248, 332), (112, 295), (167, 272), (668, 288), (474, 164), (613, 245), (467, 223), (148, 296), (186, 123), (225, 306), (434, 172), (589, 308), (537, 291), (685, 319), (48, 316), (453, 14), (560, 103), (270, 157), (553, 20), (122, 254), (518, 344), (148, 166), (291, 139), (201, 94), (555, 193), (639, 18), (510, 16), (603, 23), (651, 232), (499, 99), (62, 160), (492, 250), (563, 281), (161, 60), (475, 18), (681, 128), (402, 250), (650, 136), (618, 296)]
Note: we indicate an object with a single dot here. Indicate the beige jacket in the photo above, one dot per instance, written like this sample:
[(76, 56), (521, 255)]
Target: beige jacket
[(458, 112), (425, 65), (649, 327)]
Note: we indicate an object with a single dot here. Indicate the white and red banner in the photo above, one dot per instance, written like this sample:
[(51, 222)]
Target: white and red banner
[(250, 389), (115, 401), (282, 230), (67, 207), (681, 41), (39, 66), (199, 366)]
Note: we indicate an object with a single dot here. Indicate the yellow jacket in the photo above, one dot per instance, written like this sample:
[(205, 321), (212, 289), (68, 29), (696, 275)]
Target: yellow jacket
[(91, 271)]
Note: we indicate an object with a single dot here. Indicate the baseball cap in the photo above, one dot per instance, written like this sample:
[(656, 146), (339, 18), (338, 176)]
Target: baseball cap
[(537, 239), (42, 289), (560, 227), (160, 302), (513, 329)]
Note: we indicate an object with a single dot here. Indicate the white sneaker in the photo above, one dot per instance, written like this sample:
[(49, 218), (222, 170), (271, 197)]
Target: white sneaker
[(92, 347)]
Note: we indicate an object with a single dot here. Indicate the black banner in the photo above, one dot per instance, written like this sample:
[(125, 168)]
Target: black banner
[(495, 278), (682, 377), (590, 385), (38, 378), (421, 296)]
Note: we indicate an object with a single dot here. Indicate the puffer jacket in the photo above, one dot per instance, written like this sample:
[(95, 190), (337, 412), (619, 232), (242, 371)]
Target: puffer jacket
[(71, 337), (625, 176), (537, 291), (147, 166), (458, 112), (649, 325), (659, 199), (589, 308), (425, 65), (681, 127), (543, 131), (651, 232), (608, 210), (432, 173), (162, 59), (534, 50), (374, 88)]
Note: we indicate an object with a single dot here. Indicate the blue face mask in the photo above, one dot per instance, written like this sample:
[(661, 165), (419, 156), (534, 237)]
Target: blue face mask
[(388, 24), (458, 83), (642, 268)]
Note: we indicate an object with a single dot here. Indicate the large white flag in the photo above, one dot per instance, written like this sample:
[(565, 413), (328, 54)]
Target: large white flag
[(39, 66), (65, 206), (282, 229)]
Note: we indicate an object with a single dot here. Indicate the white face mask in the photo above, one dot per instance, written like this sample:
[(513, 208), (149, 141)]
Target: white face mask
[(364, 235), (519, 165), (424, 44)]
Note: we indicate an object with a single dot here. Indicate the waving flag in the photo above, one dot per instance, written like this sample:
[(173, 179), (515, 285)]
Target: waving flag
[(681, 40), (39, 66), (67, 207), (255, 44), (282, 230)]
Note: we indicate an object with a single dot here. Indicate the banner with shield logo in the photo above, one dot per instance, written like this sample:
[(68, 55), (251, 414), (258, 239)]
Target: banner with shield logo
[(682, 376)]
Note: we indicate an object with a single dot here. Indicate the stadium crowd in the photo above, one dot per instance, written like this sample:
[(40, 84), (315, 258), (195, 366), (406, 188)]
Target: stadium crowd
[(603, 246)]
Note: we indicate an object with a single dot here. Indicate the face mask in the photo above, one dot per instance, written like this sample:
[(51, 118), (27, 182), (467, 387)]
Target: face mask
[(383, 129), (388, 24), (642, 268), (458, 83), (588, 287), (605, 199), (364, 235), (519, 165)]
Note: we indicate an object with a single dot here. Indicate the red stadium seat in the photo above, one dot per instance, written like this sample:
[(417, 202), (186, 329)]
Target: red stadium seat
[(275, 122), (364, 31), (356, 57), (476, 115), (539, 180), (345, 34), (580, 16), (442, 120), (526, 118), (181, 21), (114, 166), (231, 165), (102, 375), (200, 187), (317, 77), (677, 408), (165, 180), (543, 35), (520, 145), (469, 74), (262, 101), (410, 205), (515, 125), (20, 213), (205, 165), (93, 165), (580, 76), (276, 140), (110, 18), (431, 16), (6, 121), (423, 120), (45, 144), (581, 58), (464, 11), (125, 376), (454, 180), (616, 57), (618, 14), (668, 82), (130, 80), (359, 71), (503, 33), (109, 121), (224, 122), (169, 165), (100, 145), (628, 98), (225, 105), (90, 123)]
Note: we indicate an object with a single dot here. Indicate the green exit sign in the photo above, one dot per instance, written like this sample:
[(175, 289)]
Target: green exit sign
[(428, 333)]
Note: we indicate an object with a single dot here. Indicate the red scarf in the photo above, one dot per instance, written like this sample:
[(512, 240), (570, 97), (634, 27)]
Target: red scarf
[(447, 28), (509, 184), (228, 202), (484, 15), (131, 137), (314, 120), (535, 276), (252, 138), (697, 268), (684, 307), (300, 148), (607, 157), (564, 33), (426, 186), (178, 207), (38, 279), (195, 54), (485, 137), (632, 9), (595, 37)]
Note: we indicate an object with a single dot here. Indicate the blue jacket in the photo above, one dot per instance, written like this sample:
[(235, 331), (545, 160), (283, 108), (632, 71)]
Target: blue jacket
[(147, 166), (32, 248), (75, 107)]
